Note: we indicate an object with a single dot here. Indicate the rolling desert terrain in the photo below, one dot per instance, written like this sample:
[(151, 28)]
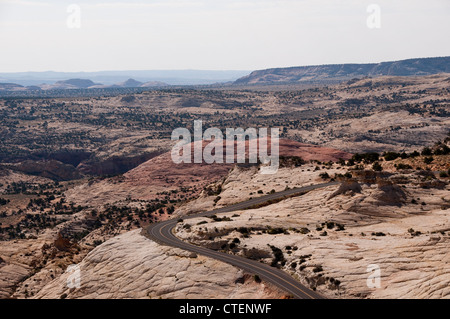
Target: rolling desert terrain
[(82, 177)]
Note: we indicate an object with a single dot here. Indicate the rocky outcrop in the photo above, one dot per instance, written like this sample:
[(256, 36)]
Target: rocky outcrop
[(114, 165), (161, 174), (132, 266), (390, 194), (332, 244), (62, 243), (51, 169), (347, 187)]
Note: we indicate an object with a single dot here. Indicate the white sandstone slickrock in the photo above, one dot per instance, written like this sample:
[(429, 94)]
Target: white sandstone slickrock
[(133, 266), (412, 266)]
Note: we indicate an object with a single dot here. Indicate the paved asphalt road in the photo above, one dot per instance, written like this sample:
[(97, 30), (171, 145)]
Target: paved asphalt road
[(162, 232)]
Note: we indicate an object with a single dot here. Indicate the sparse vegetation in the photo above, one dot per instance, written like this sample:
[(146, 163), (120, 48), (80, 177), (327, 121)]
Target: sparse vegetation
[(377, 167), (278, 259), (324, 175)]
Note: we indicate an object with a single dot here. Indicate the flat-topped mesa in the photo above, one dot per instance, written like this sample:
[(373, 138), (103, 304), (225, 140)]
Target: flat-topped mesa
[(341, 72)]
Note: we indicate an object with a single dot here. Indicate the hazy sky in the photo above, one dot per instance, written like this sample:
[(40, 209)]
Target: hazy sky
[(42, 35)]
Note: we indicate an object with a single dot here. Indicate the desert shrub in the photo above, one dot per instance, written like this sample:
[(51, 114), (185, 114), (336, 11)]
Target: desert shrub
[(414, 154), (346, 175), (427, 151), (275, 231), (98, 242), (304, 230), (223, 219), (390, 156), (366, 158), (378, 234), (324, 175), (377, 167), (243, 230), (278, 256), (442, 149), (317, 269), (413, 232), (371, 157), (400, 166)]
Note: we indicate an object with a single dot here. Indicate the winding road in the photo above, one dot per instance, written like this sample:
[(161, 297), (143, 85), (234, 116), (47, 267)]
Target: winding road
[(163, 233)]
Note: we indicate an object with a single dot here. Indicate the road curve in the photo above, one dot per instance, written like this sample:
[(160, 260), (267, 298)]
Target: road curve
[(162, 232)]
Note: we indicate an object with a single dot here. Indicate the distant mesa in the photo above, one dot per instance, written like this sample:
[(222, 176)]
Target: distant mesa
[(130, 83), (154, 84), (80, 83), (33, 88), (17, 87), (10, 86), (72, 84), (68, 84), (88, 84), (303, 75), (341, 72)]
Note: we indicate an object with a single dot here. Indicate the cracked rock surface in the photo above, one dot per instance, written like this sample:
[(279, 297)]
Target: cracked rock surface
[(132, 266)]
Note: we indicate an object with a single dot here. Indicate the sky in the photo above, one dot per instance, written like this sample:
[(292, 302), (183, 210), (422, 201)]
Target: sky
[(96, 35)]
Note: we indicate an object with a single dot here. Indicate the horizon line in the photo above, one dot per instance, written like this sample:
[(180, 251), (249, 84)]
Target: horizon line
[(226, 70)]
